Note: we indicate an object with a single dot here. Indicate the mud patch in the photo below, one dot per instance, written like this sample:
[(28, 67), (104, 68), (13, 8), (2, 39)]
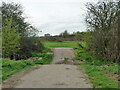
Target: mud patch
[(67, 68), (60, 84)]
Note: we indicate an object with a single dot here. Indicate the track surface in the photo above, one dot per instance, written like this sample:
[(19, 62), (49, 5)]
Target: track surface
[(53, 75)]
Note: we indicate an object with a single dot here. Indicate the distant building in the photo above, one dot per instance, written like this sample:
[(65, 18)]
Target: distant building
[(47, 35)]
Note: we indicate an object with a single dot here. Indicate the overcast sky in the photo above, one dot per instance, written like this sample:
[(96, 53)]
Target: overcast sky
[(55, 16)]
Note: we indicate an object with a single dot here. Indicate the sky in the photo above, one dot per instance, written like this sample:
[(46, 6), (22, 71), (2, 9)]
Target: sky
[(55, 16)]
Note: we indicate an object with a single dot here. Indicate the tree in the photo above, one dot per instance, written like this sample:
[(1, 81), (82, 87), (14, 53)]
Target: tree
[(17, 26), (119, 31), (10, 39), (102, 20), (12, 10), (15, 11), (0, 34), (65, 34)]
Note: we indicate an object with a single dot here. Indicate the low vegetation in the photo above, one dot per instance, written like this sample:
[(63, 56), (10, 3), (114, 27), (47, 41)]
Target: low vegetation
[(71, 44), (10, 67), (98, 77), (101, 74), (66, 60), (46, 58)]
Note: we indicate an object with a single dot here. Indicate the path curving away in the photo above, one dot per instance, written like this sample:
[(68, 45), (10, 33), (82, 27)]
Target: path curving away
[(53, 75)]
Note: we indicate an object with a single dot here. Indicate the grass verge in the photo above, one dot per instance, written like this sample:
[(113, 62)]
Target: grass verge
[(98, 78), (45, 58), (10, 67), (97, 70)]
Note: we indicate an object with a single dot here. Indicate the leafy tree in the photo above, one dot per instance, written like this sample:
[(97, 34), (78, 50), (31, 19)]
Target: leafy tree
[(12, 10), (15, 11), (23, 33), (10, 39), (65, 34)]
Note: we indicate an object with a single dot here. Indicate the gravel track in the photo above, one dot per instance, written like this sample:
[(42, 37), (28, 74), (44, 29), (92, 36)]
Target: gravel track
[(54, 75)]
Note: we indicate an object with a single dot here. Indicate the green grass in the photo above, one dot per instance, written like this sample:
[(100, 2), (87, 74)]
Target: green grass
[(82, 55), (71, 44), (112, 68), (37, 54), (46, 58), (10, 67), (47, 50), (98, 77)]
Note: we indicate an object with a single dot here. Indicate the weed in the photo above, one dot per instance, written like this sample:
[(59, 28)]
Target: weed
[(65, 60)]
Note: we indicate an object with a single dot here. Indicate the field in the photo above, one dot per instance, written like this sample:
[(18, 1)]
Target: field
[(71, 44)]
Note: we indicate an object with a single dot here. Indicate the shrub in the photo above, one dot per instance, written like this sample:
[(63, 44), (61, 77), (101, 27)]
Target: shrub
[(28, 46)]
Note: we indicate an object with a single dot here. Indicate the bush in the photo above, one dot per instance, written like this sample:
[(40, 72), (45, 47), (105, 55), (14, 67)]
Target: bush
[(28, 46)]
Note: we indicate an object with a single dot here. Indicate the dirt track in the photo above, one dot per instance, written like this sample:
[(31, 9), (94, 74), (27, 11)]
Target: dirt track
[(54, 75)]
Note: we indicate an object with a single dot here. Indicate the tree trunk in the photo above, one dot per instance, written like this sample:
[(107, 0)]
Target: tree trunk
[(119, 41), (119, 31)]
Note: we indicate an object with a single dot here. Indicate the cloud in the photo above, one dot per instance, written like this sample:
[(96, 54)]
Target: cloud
[(54, 16), (50, 1)]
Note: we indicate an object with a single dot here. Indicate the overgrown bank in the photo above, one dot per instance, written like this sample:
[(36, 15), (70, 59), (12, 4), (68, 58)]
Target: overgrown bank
[(102, 19), (101, 74), (101, 54), (10, 67)]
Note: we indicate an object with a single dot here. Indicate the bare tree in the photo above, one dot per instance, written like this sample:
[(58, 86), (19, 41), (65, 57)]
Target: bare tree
[(102, 20)]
